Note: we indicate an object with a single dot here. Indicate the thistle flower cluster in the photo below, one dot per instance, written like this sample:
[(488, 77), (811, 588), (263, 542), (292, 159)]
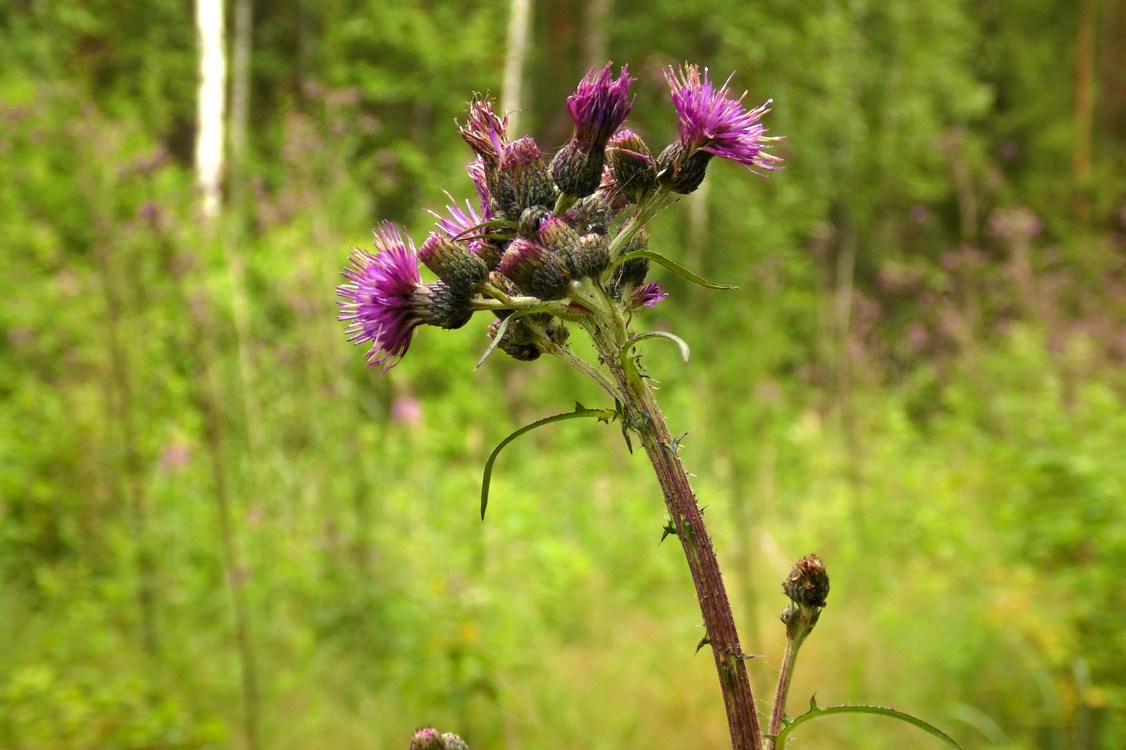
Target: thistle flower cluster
[(549, 242)]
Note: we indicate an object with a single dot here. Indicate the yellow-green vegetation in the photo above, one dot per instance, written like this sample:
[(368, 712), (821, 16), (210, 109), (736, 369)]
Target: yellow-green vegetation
[(920, 379)]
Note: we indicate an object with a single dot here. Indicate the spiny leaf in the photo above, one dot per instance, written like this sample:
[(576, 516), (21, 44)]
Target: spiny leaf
[(705, 641), (669, 530), (679, 270), (579, 412)]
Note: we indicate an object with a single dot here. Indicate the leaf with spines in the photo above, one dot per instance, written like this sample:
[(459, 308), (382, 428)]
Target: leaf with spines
[(814, 712)]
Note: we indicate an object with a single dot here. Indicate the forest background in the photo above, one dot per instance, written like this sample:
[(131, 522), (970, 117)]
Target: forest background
[(218, 529)]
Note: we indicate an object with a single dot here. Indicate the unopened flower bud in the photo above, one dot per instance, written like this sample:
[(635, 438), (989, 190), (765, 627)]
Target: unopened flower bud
[(808, 583), (487, 250), (521, 179), (453, 262), (591, 214), (535, 270), (631, 164), (518, 341), (451, 741), (558, 237), (591, 255), (530, 221), (633, 271), (426, 738)]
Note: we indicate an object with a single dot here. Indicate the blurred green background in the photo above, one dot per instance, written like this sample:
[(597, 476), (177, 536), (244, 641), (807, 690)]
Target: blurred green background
[(218, 529)]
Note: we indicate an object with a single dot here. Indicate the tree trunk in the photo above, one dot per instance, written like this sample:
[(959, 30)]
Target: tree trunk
[(210, 106), (519, 34)]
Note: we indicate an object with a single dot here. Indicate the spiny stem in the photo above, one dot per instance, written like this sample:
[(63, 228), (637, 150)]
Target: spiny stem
[(646, 419)]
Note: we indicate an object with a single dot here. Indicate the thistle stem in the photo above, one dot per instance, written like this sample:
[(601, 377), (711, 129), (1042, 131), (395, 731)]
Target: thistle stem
[(645, 418), (785, 675)]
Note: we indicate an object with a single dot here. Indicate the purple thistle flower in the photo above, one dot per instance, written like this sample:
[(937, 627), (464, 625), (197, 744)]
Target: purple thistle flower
[(484, 131), (459, 222), (600, 105), (382, 297), (648, 295), (477, 172), (713, 122)]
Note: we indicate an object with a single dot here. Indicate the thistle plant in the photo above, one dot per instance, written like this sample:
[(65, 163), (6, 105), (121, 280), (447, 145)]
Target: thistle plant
[(551, 246)]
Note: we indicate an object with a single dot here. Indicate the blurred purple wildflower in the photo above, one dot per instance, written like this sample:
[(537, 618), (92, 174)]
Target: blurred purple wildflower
[(713, 122), (381, 297), (600, 105)]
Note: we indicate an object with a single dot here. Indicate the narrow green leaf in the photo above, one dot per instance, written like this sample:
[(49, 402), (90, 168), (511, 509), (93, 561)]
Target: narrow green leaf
[(504, 327), (891, 713), (579, 412), (679, 270), (495, 342), (681, 343)]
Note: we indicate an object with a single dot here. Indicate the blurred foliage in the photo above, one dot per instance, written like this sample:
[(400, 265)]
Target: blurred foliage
[(921, 379)]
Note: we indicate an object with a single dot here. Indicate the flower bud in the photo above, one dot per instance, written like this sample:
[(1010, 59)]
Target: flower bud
[(633, 271), (530, 221), (453, 263), (521, 179), (808, 583), (487, 250), (518, 341), (535, 270), (591, 214), (451, 741), (558, 237), (426, 738), (591, 255), (631, 164)]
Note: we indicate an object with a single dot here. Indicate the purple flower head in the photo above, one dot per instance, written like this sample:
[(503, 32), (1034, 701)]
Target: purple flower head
[(381, 301), (460, 223), (521, 180), (484, 131), (648, 295), (713, 122), (600, 105), (477, 172)]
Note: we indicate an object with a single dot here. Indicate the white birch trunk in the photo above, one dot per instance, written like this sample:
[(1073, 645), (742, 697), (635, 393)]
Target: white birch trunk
[(519, 32), (211, 105)]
